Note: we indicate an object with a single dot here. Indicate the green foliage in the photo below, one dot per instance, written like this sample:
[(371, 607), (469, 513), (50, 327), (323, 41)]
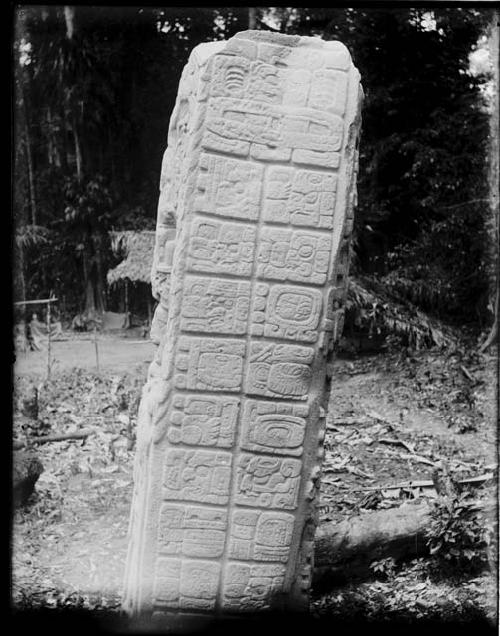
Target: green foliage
[(444, 270), (384, 568), (87, 202), (96, 106), (94, 111), (458, 536), (423, 157), (31, 235), (371, 309)]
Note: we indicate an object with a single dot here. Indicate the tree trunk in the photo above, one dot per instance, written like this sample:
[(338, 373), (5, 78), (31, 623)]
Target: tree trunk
[(89, 288), (19, 275), (492, 337), (53, 155), (126, 296), (100, 300), (64, 137), (345, 550), (29, 160), (493, 221), (69, 18), (252, 17), (78, 150)]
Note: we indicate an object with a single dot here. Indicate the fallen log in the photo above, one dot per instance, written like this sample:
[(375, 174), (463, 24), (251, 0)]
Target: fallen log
[(345, 550), (53, 438), (429, 483)]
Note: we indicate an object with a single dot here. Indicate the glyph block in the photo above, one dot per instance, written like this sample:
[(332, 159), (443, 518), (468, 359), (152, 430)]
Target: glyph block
[(294, 255), (197, 475), (203, 420), (278, 429), (217, 247), (300, 197), (191, 531), (216, 305), (250, 271)]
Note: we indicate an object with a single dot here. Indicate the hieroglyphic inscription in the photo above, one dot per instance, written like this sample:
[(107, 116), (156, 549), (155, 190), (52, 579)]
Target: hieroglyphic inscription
[(199, 420), (249, 121), (249, 587), (328, 91), (283, 311), (197, 475), (209, 364), (237, 77), (228, 187), (281, 371), (300, 197), (189, 584), (221, 248), (215, 306), (257, 179), (275, 428), (191, 531), (268, 482), (261, 536), (293, 255)]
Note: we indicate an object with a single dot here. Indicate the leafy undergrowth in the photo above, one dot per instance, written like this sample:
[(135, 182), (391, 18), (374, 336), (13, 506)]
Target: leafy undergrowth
[(410, 594), (386, 428), (69, 542), (389, 426)]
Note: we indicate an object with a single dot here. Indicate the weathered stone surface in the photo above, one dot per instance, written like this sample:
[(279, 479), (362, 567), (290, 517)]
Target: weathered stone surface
[(257, 189)]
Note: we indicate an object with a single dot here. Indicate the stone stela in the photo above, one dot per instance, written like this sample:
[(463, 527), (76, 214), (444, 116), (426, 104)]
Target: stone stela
[(255, 215)]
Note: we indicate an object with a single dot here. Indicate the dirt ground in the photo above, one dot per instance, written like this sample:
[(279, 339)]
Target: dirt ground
[(114, 354), (70, 541)]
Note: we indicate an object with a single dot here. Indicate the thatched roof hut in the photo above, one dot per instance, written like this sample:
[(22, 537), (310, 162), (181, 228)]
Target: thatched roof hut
[(138, 248)]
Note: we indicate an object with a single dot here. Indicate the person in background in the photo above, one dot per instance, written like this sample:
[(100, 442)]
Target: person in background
[(35, 333)]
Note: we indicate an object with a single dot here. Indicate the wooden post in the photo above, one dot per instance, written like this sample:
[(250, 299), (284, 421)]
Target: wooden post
[(252, 17), (96, 349), (48, 340), (126, 296)]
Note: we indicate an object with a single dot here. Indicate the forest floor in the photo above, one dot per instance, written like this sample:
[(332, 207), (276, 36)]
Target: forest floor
[(392, 419)]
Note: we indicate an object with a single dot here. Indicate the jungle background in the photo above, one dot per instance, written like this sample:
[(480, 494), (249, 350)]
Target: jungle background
[(93, 89)]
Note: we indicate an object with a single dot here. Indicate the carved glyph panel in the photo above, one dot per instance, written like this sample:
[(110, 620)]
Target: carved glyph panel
[(293, 255), (217, 247), (328, 91), (197, 475), (215, 305), (260, 536), (228, 187), (278, 429), (259, 180), (239, 122), (280, 371), (209, 364), (300, 197), (192, 532), (249, 588), (268, 482), (203, 420), (288, 312), (186, 584)]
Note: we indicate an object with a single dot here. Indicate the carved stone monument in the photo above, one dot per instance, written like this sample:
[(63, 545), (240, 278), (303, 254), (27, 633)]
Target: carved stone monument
[(250, 267)]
